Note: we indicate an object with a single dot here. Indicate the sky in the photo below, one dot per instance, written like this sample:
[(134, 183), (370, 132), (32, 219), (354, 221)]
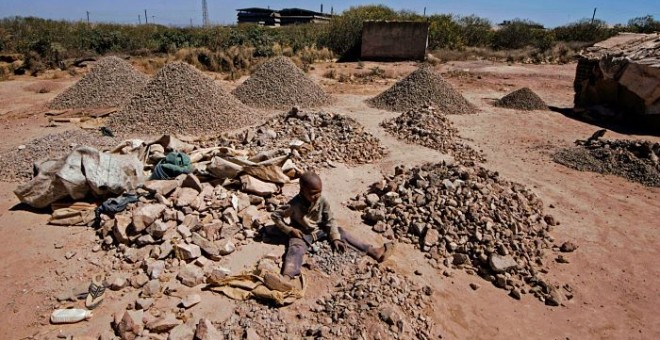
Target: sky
[(183, 12)]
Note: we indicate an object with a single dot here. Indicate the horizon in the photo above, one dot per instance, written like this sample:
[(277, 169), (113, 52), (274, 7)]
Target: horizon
[(222, 12)]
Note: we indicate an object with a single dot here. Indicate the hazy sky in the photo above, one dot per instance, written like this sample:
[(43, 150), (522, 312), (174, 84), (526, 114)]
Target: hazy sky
[(180, 12)]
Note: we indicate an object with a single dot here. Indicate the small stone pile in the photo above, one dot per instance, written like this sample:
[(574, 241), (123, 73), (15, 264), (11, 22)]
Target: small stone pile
[(522, 99), (323, 258), (432, 129), (467, 217), (317, 138), (182, 100), (111, 83), (18, 163), (280, 84), (422, 87), (636, 161)]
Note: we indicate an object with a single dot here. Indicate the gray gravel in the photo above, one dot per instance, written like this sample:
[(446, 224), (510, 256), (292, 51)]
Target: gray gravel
[(431, 128), (182, 100), (422, 87), (280, 84), (522, 99), (17, 164), (111, 83)]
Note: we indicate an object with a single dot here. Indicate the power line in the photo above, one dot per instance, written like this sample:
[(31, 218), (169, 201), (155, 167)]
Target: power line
[(205, 13)]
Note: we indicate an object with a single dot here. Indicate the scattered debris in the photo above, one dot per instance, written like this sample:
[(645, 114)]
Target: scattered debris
[(423, 87), (522, 99)]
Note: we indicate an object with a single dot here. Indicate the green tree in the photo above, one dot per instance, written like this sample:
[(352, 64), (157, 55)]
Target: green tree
[(583, 31), (345, 30), (475, 31)]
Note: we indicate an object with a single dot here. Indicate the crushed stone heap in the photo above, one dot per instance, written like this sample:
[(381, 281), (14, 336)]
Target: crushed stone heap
[(318, 139), (522, 99), (182, 100), (431, 128), (280, 84), (17, 163), (111, 82), (469, 218), (422, 87), (635, 161)]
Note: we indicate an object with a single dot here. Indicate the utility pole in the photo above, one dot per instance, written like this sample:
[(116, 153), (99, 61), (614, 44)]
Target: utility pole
[(205, 13), (593, 17), (153, 19), (139, 19), (191, 25), (424, 11), (87, 17), (146, 18)]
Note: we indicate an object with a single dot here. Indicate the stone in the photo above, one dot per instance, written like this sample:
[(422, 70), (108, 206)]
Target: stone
[(225, 247), (120, 228), (157, 229), (144, 303), (568, 247), (191, 300), (206, 331), (191, 181), (187, 252), (181, 332), (155, 269), (138, 281), (145, 215), (372, 199), (163, 323), (191, 222), (251, 334), (186, 197), (166, 249), (163, 187), (151, 289), (374, 215), (249, 216), (219, 273), (130, 325), (554, 298), (389, 316), (550, 220), (207, 246), (144, 240), (229, 230), (191, 275), (184, 231), (515, 293), (258, 187), (431, 237), (460, 259), (500, 264), (118, 283), (474, 286)]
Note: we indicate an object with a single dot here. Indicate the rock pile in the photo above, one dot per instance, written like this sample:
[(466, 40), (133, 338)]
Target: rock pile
[(280, 84), (182, 100), (18, 163), (522, 99), (317, 138), (636, 161), (467, 217), (422, 87), (432, 129), (112, 82)]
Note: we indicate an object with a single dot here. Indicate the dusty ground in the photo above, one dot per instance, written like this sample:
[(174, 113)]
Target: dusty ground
[(614, 272)]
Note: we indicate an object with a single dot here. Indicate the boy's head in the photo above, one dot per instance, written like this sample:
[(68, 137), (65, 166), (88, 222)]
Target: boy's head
[(311, 186)]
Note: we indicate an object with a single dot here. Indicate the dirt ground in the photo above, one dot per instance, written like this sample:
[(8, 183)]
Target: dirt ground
[(614, 272)]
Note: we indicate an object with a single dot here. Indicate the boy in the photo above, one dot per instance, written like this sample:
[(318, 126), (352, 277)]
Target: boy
[(312, 220)]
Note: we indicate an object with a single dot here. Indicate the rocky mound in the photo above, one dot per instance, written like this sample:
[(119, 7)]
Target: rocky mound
[(111, 82), (432, 129), (182, 100), (469, 218), (317, 138), (522, 99), (280, 84), (636, 161), (17, 164), (422, 87)]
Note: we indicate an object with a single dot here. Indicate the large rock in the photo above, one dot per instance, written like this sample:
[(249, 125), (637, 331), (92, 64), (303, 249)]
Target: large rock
[(258, 187), (145, 215), (500, 264), (191, 275), (187, 252), (130, 325), (206, 331), (181, 332), (164, 187), (163, 323), (186, 197), (225, 247), (207, 246), (191, 300), (155, 269), (157, 229), (191, 181), (120, 229), (431, 238)]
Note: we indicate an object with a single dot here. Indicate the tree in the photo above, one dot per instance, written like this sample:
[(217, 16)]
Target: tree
[(475, 31), (646, 24)]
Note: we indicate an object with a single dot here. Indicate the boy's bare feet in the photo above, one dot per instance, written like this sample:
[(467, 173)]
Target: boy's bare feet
[(381, 254)]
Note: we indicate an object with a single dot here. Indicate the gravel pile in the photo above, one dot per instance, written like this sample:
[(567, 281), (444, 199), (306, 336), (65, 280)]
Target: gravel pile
[(422, 87), (324, 259), (182, 100), (522, 99), (318, 139), (111, 82), (467, 217), (17, 163), (280, 84), (636, 161), (432, 129)]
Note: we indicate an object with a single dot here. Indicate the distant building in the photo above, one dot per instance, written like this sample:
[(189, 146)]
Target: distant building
[(287, 16)]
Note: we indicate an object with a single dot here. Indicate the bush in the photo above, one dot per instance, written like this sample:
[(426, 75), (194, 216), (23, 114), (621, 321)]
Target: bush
[(646, 24), (444, 32), (583, 31), (475, 31), (520, 33)]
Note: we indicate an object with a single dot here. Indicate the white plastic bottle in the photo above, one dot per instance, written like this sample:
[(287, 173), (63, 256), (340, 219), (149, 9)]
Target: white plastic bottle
[(69, 315)]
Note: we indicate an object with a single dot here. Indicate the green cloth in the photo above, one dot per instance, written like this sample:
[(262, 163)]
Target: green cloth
[(173, 165)]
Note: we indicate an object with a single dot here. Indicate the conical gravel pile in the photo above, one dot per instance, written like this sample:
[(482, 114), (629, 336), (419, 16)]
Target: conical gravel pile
[(181, 100), (112, 82), (422, 87), (522, 99), (280, 84)]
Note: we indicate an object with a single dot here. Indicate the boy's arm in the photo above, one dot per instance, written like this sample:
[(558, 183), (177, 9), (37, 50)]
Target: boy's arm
[(278, 217), (328, 222)]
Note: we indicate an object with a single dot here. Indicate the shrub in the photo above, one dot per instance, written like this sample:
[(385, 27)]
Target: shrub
[(645, 24), (475, 31), (444, 32), (583, 31), (520, 33)]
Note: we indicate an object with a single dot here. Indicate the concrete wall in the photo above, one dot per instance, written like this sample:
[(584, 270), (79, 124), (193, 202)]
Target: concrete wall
[(382, 40)]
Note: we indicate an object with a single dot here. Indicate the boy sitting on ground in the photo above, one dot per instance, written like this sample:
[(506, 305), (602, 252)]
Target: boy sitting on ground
[(311, 221)]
